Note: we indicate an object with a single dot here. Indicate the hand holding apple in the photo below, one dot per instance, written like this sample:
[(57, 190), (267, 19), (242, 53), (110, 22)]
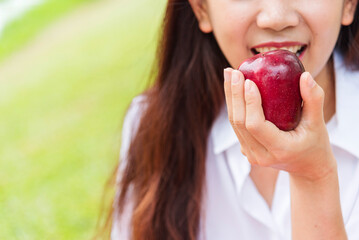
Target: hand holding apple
[(304, 151)]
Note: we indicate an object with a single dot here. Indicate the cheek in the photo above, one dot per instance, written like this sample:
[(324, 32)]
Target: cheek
[(230, 26), (324, 30), (231, 38)]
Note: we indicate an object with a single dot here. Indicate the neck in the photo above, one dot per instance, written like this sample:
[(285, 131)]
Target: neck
[(326, 80)]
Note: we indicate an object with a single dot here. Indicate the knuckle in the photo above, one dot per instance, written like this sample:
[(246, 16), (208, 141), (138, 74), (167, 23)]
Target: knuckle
[(230, 117), (268, 162), (251, 126), (236, 93), (253, 157), (280, 155), (239, 123), (252, 161), (250, 100), (264, 164), (263, 161)]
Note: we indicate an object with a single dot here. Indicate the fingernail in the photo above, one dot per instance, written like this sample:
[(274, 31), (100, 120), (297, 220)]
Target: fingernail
[(235, 77), (227, 74), (248, 86), (310, 81)]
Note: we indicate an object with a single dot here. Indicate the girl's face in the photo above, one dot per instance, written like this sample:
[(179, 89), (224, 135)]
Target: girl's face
[(242, 28)]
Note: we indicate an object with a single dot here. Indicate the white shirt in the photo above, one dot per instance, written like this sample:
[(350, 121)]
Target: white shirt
[(234, 209)]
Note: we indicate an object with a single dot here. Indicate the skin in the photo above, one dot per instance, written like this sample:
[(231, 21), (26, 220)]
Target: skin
[(305, 153)]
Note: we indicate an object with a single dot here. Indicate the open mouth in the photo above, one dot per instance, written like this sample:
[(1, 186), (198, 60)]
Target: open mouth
[(297, 49)]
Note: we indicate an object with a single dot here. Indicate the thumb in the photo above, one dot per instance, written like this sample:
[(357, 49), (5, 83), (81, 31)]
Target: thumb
[(313, 100)]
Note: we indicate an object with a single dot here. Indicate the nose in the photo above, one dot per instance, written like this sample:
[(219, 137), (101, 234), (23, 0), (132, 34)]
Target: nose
[(277, 15)]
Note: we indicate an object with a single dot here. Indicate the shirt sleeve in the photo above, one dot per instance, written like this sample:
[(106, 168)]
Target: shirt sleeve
[(121, 224)]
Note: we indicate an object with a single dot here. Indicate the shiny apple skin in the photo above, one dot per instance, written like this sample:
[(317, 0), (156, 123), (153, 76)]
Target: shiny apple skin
[(276, 74)]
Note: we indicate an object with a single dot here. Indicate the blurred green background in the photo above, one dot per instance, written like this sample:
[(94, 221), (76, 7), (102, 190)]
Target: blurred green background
[(68, 71)]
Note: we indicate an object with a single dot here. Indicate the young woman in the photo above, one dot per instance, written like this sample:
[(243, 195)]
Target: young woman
[(198, 159)]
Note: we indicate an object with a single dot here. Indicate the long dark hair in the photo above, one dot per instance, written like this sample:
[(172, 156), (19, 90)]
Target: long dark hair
[(166, 159), (348, 42)]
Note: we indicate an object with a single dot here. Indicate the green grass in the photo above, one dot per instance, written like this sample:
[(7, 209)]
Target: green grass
[(62, 111), (23, 29)]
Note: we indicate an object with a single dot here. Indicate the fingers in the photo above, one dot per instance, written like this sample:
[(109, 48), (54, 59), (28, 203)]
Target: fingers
[(229, 100), (313, 101), (262, 130), (255, 116), (228, 91), (234, 90), (238, 104), (261, 141)]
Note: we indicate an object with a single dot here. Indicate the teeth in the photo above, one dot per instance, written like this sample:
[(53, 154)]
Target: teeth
[(293, 49)]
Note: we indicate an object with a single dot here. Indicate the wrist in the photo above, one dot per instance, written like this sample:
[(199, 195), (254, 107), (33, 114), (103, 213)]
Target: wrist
[(321, 170), (315, 205), (318, 187), (317, 177)]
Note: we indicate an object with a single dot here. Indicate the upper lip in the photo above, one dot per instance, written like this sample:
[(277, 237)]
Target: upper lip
[(278, 44)]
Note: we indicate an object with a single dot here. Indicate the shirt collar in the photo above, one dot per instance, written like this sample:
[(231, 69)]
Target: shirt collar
[(346, 133), (222, 134)]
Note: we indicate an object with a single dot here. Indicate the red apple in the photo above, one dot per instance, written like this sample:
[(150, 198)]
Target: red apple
[(276, 74)]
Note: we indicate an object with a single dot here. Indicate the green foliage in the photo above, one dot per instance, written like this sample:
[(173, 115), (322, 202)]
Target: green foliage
[(20, 31), (61, 112)]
